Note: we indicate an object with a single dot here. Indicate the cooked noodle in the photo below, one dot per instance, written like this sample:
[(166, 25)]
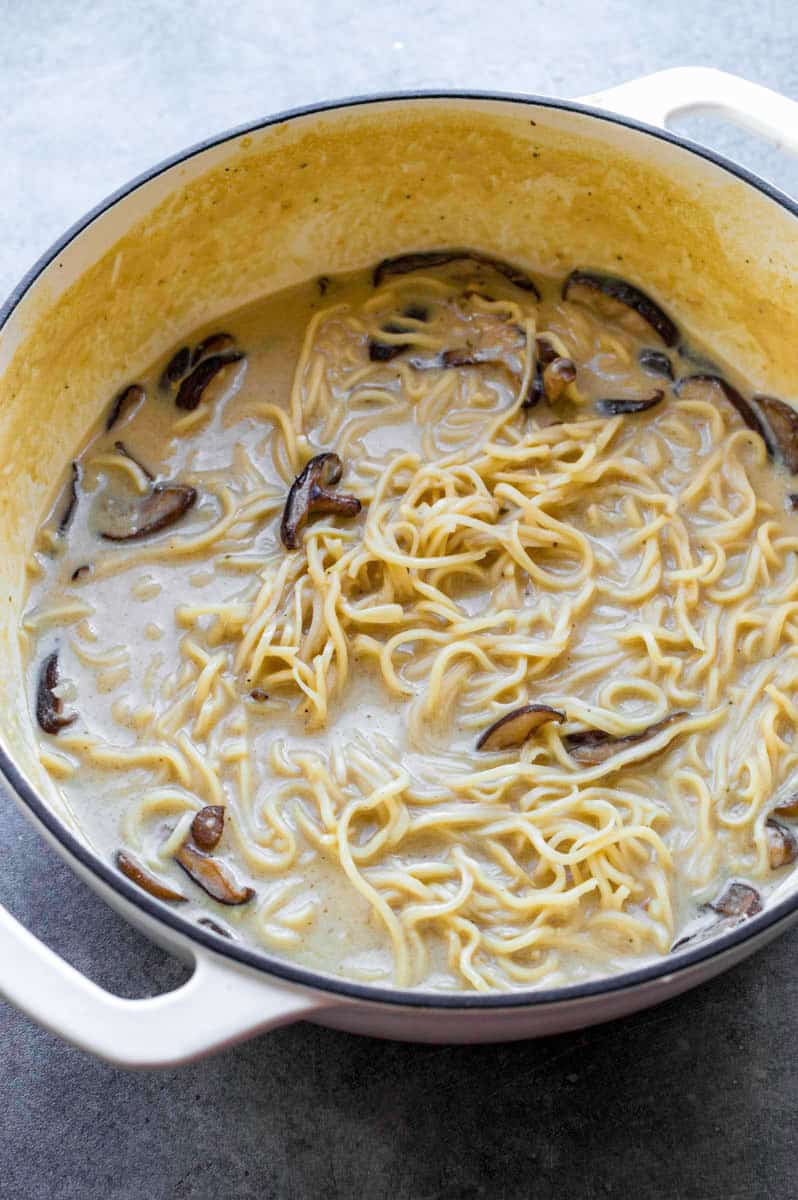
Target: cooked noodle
[(619, 569)]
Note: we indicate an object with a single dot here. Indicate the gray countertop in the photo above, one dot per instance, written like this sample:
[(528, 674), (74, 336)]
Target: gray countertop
[(696, 1099)]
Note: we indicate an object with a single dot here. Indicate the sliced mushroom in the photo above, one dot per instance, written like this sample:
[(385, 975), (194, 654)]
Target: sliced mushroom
[(208, 826), (323, 283), (744, 408), (212, 876), (215, 343), (48, 705), (624, 405), (176, 368), (515, 727), (611, 297), (782, 421), (258, 695), (593, 746), (165, 504), (788, 807), (557, 375), (782, 844), (81, 572), (792, 501), (71, 502), (656, 362), (737, 900), (309, 493), (547, 354), (126, 401), (122, 449), (385, 351), (222, 930), (134, 871), (404, 264), (190, 391)]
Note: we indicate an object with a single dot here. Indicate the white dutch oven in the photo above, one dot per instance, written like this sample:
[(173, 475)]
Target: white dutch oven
[(325, 189)]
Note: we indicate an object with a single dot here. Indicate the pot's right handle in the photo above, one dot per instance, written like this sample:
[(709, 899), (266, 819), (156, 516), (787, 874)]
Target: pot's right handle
[(220, 1004), (656, 98)]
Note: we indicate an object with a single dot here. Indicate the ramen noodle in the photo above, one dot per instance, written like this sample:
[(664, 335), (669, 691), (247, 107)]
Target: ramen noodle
[(434, 626)]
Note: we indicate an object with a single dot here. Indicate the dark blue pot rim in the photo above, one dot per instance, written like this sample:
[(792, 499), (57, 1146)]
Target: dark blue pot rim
[(625, 981)]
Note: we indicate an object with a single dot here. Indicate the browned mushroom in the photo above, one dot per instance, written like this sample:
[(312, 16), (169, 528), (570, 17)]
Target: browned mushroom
[(593, 746), (212, 876), (215, 343), (208, 826), (126, 401), (259, 695), (309, 493), (190, 391), (788, 807), (557, 375), (655, 362), (176, 368), (129, 866), (81, 572), (165, 504), (515, 727), (48, 705), (782, 421), (782, 844), (611, 297), (404, 264), (737, 900), (71, 502), (792, 501), (749, 414), (122, 449), (546, 355), (623, 405), (209, 923)]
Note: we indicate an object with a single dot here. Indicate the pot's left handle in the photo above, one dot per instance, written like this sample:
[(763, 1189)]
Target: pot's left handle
[(219, 1005)]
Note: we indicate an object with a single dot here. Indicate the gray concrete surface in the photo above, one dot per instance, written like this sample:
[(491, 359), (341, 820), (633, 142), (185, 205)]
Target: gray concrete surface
[(695, 1100)]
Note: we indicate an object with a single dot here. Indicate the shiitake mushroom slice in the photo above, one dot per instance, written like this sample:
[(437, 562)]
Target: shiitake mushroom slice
[(656, 362), (310, 493), (591, 747), (71, 503), (404, 264), (386, 351), (782, 422), (208, 826), (81, 572), (176, 368), (782, 844), (192, 387), (165, 504), (736, 902), (626, 405), (212, 876), (610, 295), (49, 706), (546, 356), (737, 899), (744, 408), (215, 343), (134, 871), (557, 375), (515, 727), (125, 402)]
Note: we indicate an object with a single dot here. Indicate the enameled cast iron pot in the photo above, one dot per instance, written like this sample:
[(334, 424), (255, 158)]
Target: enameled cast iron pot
[(546, 182)]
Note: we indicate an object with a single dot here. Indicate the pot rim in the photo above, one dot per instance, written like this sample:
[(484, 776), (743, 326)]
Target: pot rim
[(262, 961)]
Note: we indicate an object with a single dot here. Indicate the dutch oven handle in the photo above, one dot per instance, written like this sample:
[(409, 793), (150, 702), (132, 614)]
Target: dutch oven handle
[(220, 1004), (656, 98)]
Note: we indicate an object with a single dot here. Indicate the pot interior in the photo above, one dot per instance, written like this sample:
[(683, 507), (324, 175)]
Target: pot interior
[(331, 191)]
